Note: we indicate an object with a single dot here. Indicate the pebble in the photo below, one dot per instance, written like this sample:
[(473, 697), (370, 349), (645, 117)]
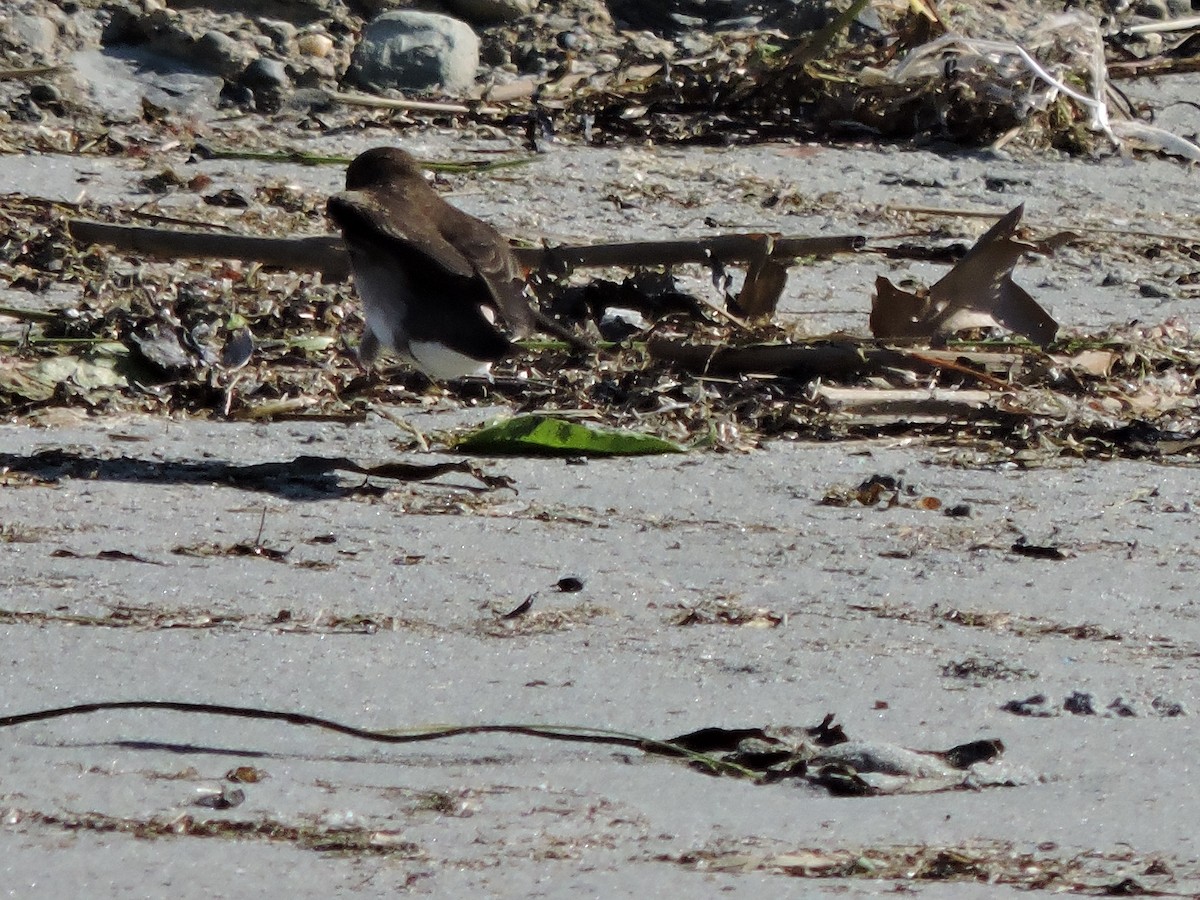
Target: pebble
[(45, 94), (318, 45), (266, 74), (222, 54), (281, 34), (1155, 291)]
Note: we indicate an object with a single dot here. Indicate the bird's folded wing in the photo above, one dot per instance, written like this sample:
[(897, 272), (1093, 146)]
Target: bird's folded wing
[(510, 299), (462, 246), (361, 217), (489, 253)]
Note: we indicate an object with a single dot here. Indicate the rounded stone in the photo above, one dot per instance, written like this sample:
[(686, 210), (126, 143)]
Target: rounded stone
[(37, 33), (281, 34), (415, 51), (222, 54), (318, 45), (45, 94), (265, 74)]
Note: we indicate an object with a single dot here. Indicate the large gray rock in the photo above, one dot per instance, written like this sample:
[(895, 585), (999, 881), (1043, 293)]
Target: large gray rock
[(416, 51)]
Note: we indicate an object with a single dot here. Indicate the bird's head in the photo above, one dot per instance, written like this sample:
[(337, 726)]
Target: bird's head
[(381, 165)]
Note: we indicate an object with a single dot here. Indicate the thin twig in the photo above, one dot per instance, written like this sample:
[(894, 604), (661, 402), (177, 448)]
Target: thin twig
[(27, 72), (28, 315), (819, 42), (322, 254), (411, 105), (402, 423), (1187, 23), (989, 214), (471, 166)]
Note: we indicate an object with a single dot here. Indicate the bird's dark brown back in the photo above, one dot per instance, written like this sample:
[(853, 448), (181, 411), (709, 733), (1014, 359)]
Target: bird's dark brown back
[(389, 203)]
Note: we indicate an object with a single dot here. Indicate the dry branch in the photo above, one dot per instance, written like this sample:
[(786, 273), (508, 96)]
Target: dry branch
[(880, 405), (857, 399), (27, 72), (322, 254), (831, 359), (729, 248), (825, 358), (326, 255)]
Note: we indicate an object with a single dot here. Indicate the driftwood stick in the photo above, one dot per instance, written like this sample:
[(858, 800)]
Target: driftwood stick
[(840, 358), (728, 248), (874, 400), (514, 90), (829, 358), (321, 254), (837, 359), (27, 72), (1186, 23), (325, 253)]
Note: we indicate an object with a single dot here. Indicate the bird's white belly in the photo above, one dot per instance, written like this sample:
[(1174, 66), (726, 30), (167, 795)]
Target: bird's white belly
[(385, 292), (440, 362)]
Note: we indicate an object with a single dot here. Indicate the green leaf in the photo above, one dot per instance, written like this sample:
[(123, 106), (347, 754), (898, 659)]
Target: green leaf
[(547, 436)]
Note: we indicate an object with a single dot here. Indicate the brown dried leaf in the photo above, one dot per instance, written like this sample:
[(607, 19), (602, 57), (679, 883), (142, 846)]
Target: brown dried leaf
[(1096, 363), (977, 293), (765, 281)]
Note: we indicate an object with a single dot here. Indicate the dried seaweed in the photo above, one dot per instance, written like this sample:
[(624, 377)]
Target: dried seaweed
[(821, 754), (918, 79)]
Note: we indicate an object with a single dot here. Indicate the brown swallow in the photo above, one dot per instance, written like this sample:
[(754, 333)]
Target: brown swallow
[(432, 278)]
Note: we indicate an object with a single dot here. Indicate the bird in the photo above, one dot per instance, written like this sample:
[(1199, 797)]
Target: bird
[(433, 280)]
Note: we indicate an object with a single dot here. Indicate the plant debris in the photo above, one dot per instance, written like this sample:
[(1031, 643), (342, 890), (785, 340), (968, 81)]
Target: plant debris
[(242, 342), (1081, 703), (916, 77), (821, 754), (983, 863), (355, 841), (723, 611), (977, 293)]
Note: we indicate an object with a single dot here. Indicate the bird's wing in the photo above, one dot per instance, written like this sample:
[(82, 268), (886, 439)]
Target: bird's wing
[(360, 215), (463, 246), (491, 258), (509, 297)]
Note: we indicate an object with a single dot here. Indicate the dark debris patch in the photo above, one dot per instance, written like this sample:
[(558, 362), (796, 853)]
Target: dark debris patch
[(1046, 868), (727, 611), (903, 79), (824, 757), (977, 669), (285, 621), (524, 619), (1082, 703), (355, 841)]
